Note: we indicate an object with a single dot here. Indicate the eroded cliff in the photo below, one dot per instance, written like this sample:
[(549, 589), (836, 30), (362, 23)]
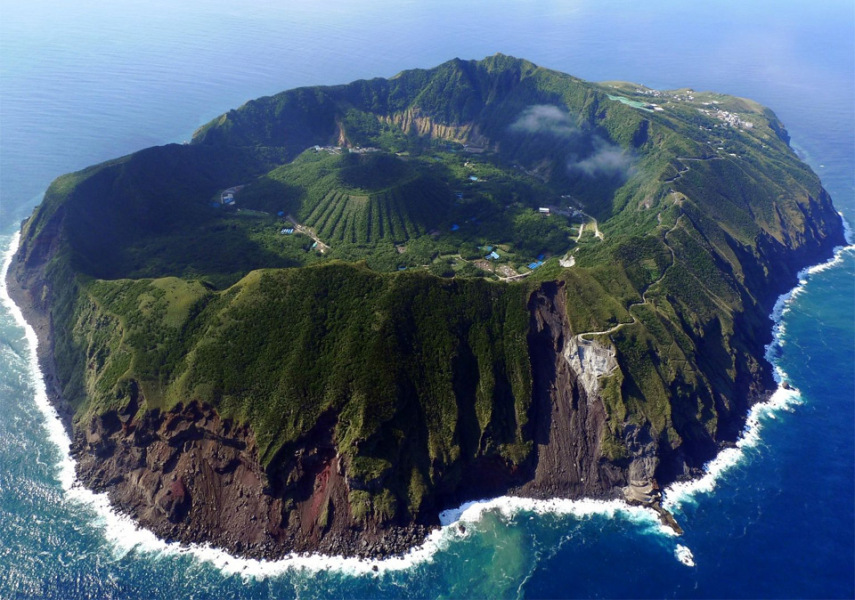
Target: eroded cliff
[(190, 475), (220, 395)]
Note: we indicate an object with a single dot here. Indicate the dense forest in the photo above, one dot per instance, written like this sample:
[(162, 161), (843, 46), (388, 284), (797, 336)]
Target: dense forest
[(367, 254)]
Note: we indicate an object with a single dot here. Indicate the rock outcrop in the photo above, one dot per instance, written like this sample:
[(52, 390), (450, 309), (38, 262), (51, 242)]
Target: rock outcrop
[(568, 419), (379, 399), (189, 475)]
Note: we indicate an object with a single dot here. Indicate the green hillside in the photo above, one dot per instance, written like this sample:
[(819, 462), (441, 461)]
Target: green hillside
[(352, 198), (390, 253)]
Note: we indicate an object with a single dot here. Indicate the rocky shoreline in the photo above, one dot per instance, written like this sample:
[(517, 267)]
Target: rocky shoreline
[(189, 476), (38, 318), (192, 477), (126, 460)]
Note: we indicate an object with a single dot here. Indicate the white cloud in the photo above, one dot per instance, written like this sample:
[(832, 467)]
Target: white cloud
[(608, 159), (544, 118)]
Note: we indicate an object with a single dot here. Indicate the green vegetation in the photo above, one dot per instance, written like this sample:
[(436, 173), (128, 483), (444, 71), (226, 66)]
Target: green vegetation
[(414, 368), (396, 322)]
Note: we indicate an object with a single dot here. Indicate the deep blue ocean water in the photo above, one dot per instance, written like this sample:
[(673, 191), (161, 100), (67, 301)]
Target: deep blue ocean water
[(86, 81)]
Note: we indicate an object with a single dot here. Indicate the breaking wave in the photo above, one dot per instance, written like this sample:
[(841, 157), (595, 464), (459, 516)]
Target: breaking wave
[(784, 398), (125, 535), (684, 555)]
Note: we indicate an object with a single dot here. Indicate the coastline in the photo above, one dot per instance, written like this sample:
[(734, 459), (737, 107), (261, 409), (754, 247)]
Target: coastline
[(40, 342), (125, 534)]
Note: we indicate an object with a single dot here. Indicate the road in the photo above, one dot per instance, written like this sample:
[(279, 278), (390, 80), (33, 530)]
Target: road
[(322, 247), (644, 299)]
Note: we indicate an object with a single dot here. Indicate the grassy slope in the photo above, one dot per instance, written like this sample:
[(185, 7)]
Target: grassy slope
[(423, 373)]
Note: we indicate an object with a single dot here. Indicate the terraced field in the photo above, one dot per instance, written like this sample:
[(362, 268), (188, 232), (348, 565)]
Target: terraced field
[(396, 214)]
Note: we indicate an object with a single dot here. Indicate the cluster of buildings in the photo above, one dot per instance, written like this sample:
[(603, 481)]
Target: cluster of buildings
[(360, 150), (494, 255), (227, 197), (329, 149), (729, 118), (687, 97), (345, 149)]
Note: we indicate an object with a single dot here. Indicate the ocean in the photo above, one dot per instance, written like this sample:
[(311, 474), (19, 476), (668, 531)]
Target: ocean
[(87, 81)]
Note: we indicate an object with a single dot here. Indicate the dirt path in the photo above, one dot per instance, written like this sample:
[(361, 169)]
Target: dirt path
[(516, 277), (322, 247), (686, 168), (597, 232), (644, 300)]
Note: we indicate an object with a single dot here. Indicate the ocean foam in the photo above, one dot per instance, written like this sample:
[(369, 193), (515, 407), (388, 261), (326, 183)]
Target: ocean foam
[(684, 555), (125, 535), (848, 234), (509, 506), (53, 424), (782, 399)]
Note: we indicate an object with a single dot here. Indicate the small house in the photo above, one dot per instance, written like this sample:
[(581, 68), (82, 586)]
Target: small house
[(543, 210), (492, 256)]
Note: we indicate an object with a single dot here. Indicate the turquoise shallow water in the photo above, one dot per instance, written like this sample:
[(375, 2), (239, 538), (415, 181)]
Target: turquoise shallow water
[(84, 83)]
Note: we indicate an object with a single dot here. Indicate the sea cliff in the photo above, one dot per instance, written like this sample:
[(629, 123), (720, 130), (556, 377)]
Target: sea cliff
[(235, 399)]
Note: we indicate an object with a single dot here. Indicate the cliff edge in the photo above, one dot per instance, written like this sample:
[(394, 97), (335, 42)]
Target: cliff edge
[(341, 310)]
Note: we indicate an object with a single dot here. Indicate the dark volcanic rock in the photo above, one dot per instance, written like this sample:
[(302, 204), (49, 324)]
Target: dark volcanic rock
[(567, 424), (197, 477), (190, 475)]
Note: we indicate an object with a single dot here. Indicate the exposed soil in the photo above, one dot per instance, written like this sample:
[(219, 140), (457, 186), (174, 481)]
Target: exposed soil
[(190, 475), (567, 424)]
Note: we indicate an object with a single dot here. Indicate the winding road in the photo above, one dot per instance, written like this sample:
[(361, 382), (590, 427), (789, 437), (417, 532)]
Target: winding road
[(686, 168), (644, 300)]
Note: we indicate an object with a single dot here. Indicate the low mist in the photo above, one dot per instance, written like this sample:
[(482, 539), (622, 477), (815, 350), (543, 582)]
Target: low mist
[(586, 153), (608, 160)]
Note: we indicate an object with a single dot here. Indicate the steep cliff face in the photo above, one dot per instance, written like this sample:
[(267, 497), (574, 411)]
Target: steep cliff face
[(568, 417), (336, 408), (31, 287), (190, 475)]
